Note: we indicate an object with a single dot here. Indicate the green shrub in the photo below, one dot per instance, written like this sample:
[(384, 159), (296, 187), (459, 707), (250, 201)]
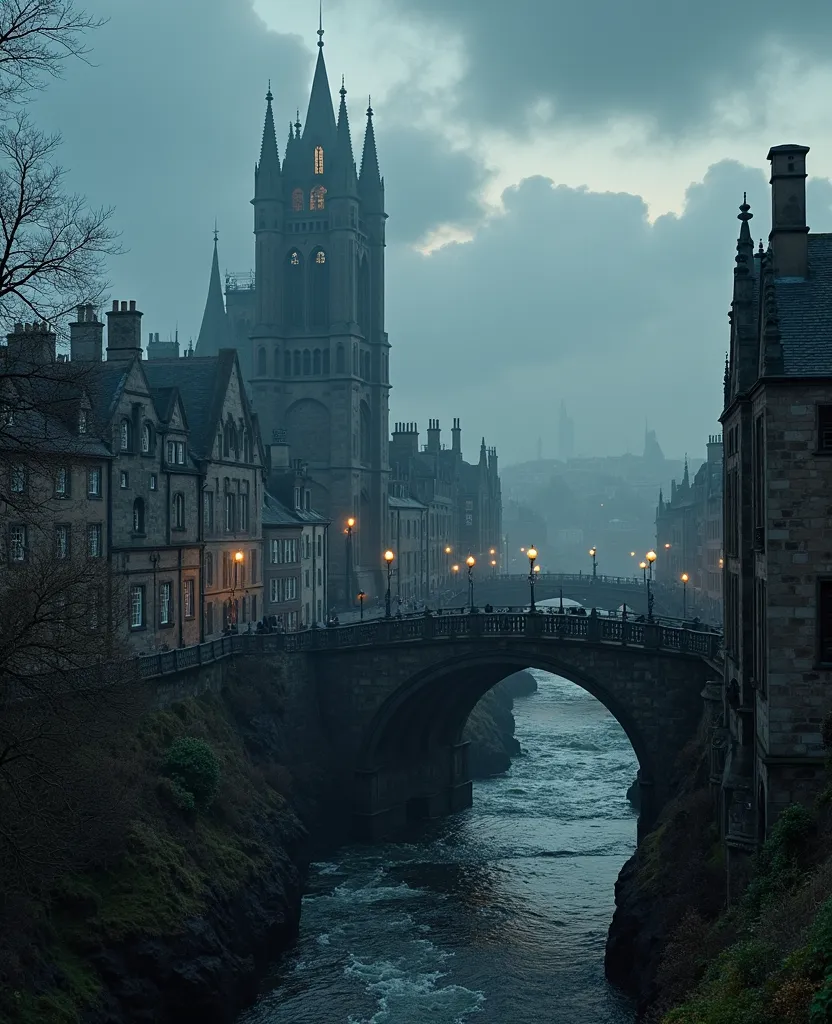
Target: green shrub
[(173, 792), (777, 865), (821, 1008), (192, 765)]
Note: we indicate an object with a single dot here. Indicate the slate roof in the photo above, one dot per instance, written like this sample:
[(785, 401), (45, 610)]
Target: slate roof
[(275, 513), (804, 309), (405, 503), (202, 384)]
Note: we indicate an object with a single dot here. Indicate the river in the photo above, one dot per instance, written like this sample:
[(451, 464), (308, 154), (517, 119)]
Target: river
[(497, 915)]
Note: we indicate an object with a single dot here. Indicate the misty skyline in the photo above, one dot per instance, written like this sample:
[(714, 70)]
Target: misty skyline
[(587, 206)]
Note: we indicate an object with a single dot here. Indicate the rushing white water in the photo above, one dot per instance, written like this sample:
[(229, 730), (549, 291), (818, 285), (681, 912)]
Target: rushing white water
[(497, 915)]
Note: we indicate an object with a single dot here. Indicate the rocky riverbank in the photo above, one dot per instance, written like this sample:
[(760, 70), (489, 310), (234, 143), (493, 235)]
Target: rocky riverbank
[(178, 926)]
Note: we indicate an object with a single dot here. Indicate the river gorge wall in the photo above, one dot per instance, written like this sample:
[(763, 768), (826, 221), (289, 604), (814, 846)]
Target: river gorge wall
[(180, 919)]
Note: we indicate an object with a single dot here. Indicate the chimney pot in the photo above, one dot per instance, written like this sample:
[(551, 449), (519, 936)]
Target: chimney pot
[(132, 305)]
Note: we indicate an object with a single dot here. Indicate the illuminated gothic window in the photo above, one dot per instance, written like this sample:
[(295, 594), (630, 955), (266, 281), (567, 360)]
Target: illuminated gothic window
[(297, 200), (317, 197), (320, 256), (319, 159)]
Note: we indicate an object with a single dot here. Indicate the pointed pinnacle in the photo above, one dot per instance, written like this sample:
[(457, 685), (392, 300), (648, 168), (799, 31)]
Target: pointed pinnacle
[(269, 96), (216, 233), (320, 23)]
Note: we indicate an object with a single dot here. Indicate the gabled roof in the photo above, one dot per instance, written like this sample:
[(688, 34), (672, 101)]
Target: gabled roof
[(275, 513), (804, 311), (202, 384)]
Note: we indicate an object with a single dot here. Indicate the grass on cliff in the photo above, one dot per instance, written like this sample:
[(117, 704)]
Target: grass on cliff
[(172, 859), (769, 959)]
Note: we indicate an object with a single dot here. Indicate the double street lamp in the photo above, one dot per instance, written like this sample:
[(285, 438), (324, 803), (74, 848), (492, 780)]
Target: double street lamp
[(388, 558), (532, 555), (470, 561), (592, 553)]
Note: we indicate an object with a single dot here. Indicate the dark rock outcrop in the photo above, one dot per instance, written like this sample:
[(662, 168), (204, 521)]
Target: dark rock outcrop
[(490, 727)]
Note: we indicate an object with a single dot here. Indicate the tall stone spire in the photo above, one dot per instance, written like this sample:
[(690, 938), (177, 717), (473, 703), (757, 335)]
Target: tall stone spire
[(745, 243), (267, 181), (370, 178), (344, 179), (320, 117), (214, 333)]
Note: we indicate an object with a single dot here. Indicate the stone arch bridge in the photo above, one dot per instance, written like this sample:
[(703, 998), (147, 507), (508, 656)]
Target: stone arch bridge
[(394, 695)]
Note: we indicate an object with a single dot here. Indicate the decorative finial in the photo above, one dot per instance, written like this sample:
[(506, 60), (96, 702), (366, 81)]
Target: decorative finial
[(269, 96), (744, 214), (760, 250), (342, 90), (369, 106), (216, 233), (320, 23), (297, 124)]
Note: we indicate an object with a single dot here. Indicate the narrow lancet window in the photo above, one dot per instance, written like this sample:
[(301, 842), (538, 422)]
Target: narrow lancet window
[(317, 198), (319, 159)]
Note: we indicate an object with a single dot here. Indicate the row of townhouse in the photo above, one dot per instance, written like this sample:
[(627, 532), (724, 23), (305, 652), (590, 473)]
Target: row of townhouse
[(155, 467)]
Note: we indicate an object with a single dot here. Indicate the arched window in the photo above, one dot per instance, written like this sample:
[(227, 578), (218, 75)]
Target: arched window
[(319, 159), (277, 362), (294, 289), (317, 198), (125, 435), (326, 362), (319, 270), (307, 362), (340, 366), (209, 569), (316, 362), (296, 363), (138, 516), (287, 363), (147, 439), (297, 200), (179, 512), (261, 362)]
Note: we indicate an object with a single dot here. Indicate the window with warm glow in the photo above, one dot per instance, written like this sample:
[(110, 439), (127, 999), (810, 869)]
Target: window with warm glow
[(319, 159), (297, 200), (294, 258), (317, 198), (320, 256)]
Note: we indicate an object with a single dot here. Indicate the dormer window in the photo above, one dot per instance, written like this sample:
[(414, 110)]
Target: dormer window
[(82, 421), (319, 159), (180, 453), (171, 453)]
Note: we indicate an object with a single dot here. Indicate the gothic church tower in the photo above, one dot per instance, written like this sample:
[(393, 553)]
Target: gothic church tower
[(320, 353)]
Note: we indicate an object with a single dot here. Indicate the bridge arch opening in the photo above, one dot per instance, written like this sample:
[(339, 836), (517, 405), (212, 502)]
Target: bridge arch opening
[(415, 739)]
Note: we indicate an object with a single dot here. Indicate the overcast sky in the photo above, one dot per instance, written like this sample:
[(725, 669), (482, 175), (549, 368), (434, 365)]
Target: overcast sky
[(562, 183)]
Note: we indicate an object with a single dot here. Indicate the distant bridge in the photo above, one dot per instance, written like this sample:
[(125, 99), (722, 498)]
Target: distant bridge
[(395, 694)]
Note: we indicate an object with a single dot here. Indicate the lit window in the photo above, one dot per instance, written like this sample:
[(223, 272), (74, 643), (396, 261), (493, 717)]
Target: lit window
[(297, 200), (136, 607), (17, 543), (294, 258), (320, 256), (317, 198), (82, 421), (319, 159), (189, 599), (165, 604)]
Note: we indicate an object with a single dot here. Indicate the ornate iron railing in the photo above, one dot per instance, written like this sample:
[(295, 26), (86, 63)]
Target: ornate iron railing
[(591, 628)]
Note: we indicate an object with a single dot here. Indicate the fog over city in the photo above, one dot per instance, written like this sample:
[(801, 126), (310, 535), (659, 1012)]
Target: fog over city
[(562, 200)]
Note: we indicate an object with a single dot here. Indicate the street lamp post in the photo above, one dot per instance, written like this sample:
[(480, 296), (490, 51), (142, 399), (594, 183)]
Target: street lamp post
[(470, 561), (651, 557), (238, 558), (348, 581), (361, 596), (643, 567), (388, 558), (593, 552), (448, 551), (455, 574), (684, 578), (532, 555)]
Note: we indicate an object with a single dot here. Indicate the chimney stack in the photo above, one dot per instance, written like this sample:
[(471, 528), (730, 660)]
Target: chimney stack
[(789, 243), (124, 332), (86, 336), (433, 436), (456, 437), (32, 343)]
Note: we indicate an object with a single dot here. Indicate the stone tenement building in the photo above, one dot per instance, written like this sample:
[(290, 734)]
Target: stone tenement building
[(310, 328), (689, 535), (777, 425), (463, 501)]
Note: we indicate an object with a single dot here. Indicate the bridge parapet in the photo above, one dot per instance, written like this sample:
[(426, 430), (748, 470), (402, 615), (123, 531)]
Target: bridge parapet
[(591, 628)]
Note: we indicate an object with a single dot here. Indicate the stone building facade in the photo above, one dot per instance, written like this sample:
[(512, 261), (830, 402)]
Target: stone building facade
[(463, 501), (408, 540), (777, 425), (314, 320)]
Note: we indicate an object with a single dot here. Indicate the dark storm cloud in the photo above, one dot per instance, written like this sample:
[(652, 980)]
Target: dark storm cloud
[(574, 295), (602, 58)]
